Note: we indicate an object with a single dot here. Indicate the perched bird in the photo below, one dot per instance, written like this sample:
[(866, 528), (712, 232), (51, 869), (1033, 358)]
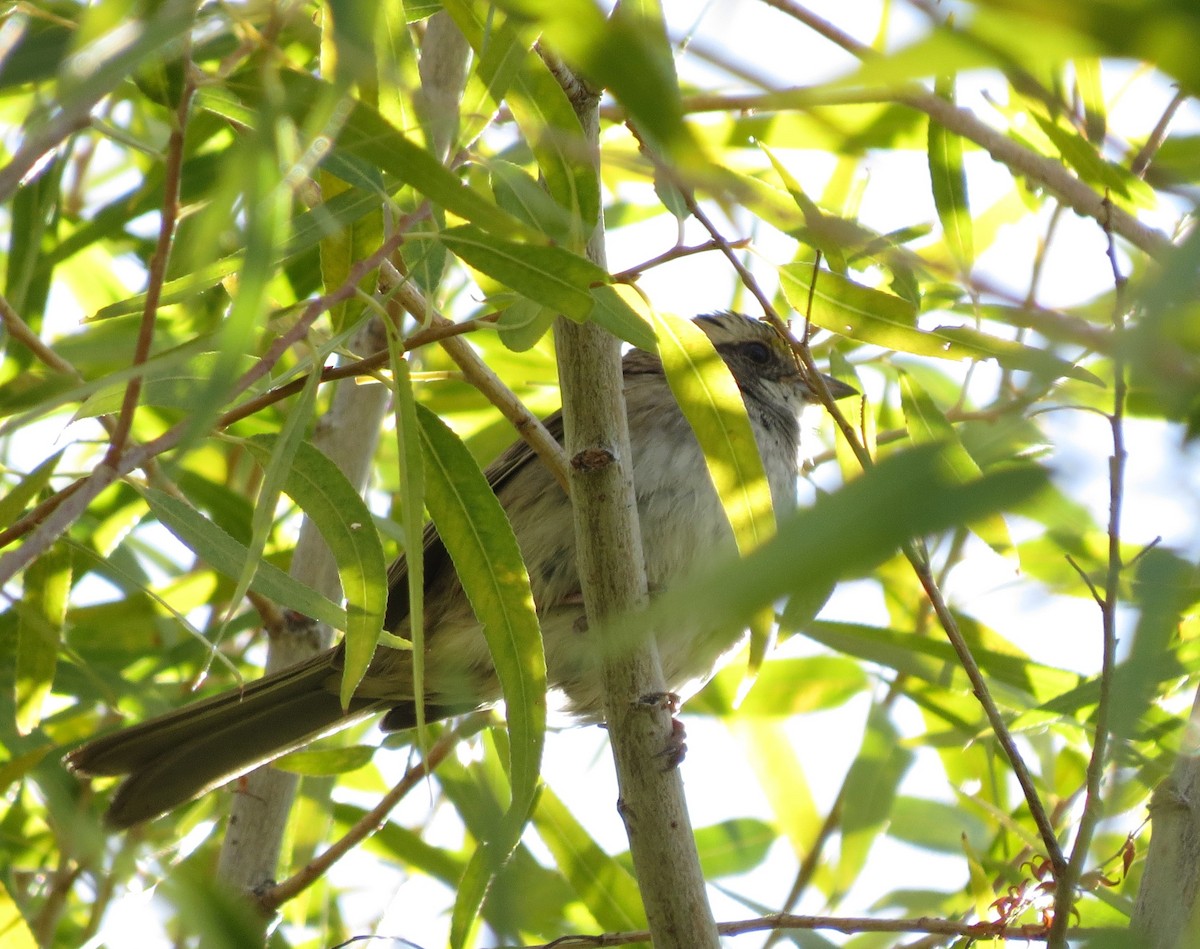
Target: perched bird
[(180, 755)]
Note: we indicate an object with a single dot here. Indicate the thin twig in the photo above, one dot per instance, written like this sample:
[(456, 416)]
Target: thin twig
[(1141, 161), (998, 929), (275, 896), (157, 270), (919, 560), (675, 253), (1064, 897)]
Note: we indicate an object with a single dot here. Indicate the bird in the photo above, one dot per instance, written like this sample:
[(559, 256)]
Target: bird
[(176, 757)]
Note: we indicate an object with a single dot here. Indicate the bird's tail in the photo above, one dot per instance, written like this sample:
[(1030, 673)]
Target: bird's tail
[(180, 755)]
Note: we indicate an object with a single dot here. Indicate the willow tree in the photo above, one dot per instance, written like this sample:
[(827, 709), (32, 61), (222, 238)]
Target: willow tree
[(245, 241)]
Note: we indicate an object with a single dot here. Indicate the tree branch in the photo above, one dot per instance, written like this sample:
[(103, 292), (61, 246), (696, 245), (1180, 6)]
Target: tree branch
[(613, 578)]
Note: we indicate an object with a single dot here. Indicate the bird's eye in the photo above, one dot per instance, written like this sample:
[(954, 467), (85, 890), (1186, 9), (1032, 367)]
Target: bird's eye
[(757, 352)]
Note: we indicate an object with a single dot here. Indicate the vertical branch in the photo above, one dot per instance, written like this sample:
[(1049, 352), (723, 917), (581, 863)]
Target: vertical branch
[(613, 578), (1064, 896)]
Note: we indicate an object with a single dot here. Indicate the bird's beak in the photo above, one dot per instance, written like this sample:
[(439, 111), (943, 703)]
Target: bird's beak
[(837, 388)]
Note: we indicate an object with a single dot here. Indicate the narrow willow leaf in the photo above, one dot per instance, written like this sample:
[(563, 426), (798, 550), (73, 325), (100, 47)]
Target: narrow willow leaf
[(1083, 156), (926, 424), (601, 882), (930, 659), (619, 310), (546, 116), (481, 544), (1013, 355), (14, 930), (480, 541), (171, 382), (870, 789), (780, 773), (367, 135), (734, 846), (1089, 82), (329, 500), (710, 400), (936, 825), (13, 504), (625, 54), (522, 324), (40, 615), (277, 460), (850, 309), (322, 762), (784, 687), (342, 248), (354, 41), (552, 276), (817, 231), (227, 556), (412, 509), (949, 182), (1165, 587), (520, 195)]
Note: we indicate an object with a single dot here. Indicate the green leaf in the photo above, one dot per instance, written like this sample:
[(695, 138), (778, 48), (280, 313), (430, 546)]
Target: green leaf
[(173, 381), (1082, 155), (521, 196), (412, 509), (619, 317), (13, 503), (783, 688), (1013, 355), (522, 324), (734, 846), (1165, 588), (480, 541), (329, 500), (927, 424), (323, 762), (936, 826), (14, 931), (870, 790), (227, 556), (817, 228), (40, 615), (934, 660), (949, 182), (341, 249), (367, 135), (601, 882), (626, 54), (518, 78), (481, 544), (849, 309), (552, 276), (712, 403)]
